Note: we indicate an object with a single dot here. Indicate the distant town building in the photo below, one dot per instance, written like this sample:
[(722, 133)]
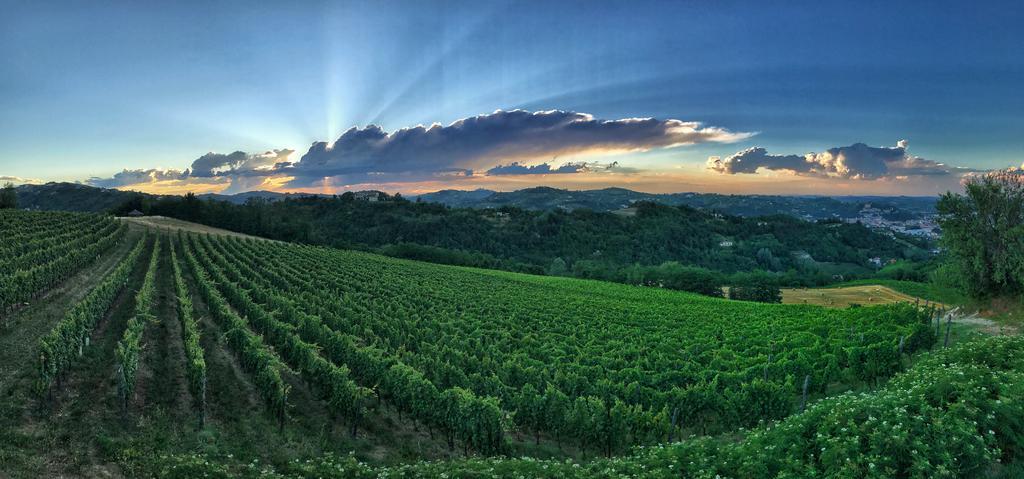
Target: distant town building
[(725, 244), (136, 213), (371, 195), (802, 255)]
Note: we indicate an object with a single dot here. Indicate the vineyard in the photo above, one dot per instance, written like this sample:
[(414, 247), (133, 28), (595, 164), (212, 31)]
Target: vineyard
[(139, 348), (475, 354), (38, 250), (955, 415)]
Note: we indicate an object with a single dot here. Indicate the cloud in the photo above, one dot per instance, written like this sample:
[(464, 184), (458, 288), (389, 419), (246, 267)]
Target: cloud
[(486, 141), (235, 168), (752, 159), (219, 164), (17, 180), (515, 168), (135, 177), (501, 143), (1012, 174), (856, 162)]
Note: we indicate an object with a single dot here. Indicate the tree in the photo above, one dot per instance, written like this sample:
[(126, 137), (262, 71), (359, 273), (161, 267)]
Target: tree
[(762, 293), (767, 260), (190, 207), (673, 275), (8, 197), (983, 231), (757, 286), (558, 267)]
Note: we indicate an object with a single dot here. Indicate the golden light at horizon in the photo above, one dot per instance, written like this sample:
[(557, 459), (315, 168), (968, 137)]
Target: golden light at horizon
[(651, 181)]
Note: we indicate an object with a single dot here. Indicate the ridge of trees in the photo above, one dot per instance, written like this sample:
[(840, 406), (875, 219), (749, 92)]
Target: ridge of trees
[(674, 247)]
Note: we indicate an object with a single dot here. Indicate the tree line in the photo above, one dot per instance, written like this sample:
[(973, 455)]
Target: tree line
[(649, 246)]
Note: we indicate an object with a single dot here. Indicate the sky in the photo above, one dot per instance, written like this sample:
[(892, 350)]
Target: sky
[(901, 98)]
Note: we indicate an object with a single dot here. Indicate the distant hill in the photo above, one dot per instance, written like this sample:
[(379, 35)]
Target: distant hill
[(611, 199), (77, 197), (72, 197), (241, 198), (458, 198)]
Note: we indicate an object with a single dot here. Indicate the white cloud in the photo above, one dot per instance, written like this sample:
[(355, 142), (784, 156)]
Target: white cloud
[(487, 141), (135, 177), (857, 162), (502, 143), (218, 164), (17, 180)]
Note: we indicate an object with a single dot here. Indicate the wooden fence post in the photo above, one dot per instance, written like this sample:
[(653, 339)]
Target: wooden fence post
[(803, 401)]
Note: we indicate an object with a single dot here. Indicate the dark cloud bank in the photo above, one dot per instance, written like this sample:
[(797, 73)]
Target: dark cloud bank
[(517, 143), (482, 142)]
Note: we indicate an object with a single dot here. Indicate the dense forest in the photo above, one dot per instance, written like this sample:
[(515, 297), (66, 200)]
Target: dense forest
[(649, 245)]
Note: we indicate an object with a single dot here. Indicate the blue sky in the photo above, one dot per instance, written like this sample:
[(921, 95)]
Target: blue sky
[(91, 90)]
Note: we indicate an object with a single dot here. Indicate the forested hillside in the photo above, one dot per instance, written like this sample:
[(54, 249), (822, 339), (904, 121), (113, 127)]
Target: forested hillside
[(581, 243), (71, 197), (649, 243), (611, 199)]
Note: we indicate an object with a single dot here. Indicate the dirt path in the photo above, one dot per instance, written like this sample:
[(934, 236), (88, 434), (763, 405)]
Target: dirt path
[(162, 382), (20, 332), (235, 404), (987, 326), (229, 393), (25, 442), (164, 223), (57, 435), (89, 400)]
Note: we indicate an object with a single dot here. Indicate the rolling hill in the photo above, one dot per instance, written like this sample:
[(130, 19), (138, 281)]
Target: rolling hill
[(611, 199), (79, 197)]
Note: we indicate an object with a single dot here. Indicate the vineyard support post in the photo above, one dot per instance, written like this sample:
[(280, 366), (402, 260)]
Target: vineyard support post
[(900, 355), (949, 326), (202, 403), (672, 424), (803, 401)]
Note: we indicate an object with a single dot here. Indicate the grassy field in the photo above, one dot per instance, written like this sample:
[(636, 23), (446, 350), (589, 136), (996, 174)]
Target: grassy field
[(841, 297), (926, 291), (999, 318)]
